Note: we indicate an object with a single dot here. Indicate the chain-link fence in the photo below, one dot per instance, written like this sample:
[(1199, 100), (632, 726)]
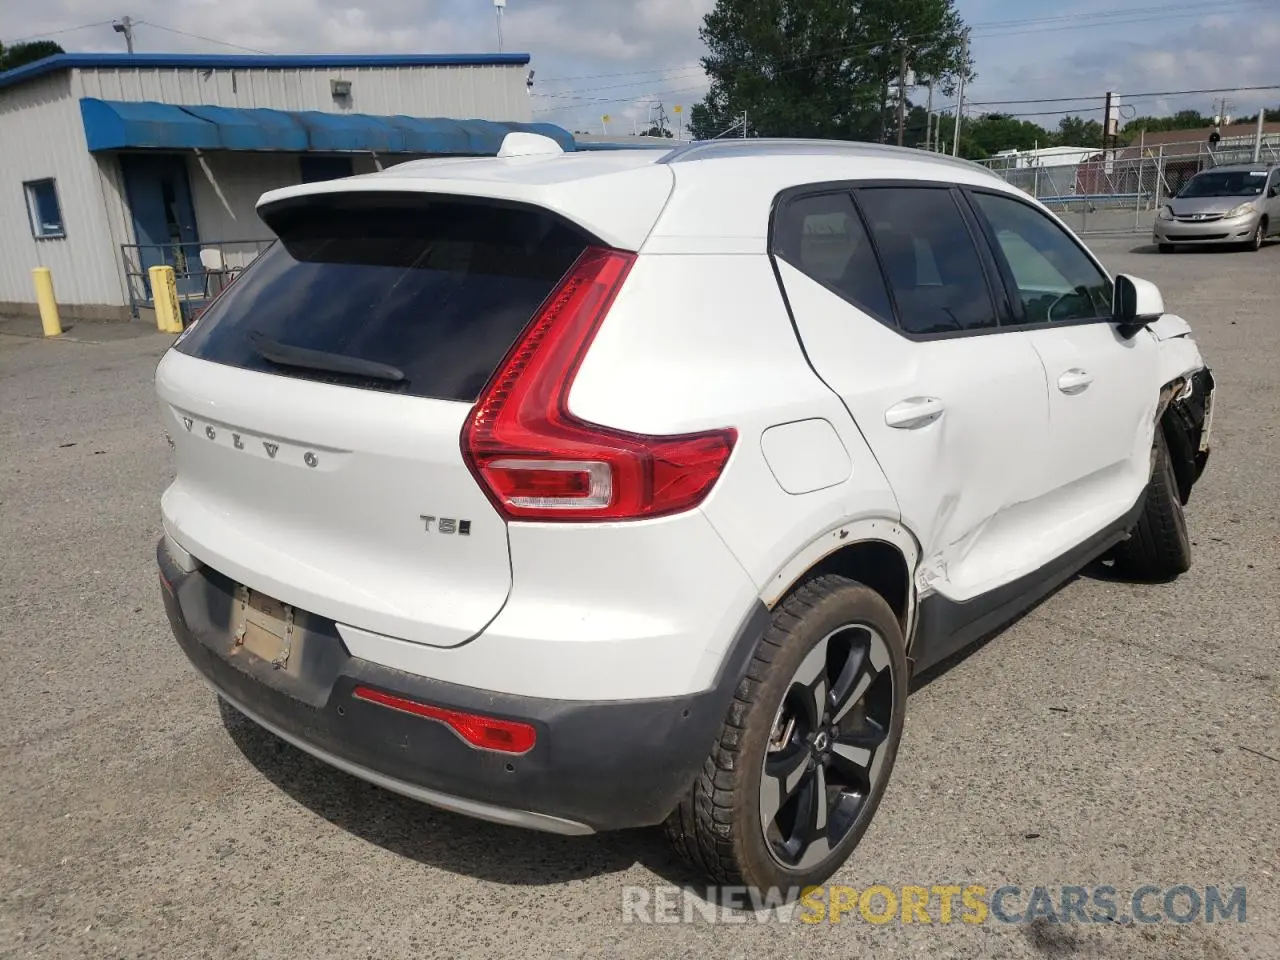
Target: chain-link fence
[(1121, 191)]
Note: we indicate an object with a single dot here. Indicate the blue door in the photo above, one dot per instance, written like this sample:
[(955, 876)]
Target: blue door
[(164, 220)]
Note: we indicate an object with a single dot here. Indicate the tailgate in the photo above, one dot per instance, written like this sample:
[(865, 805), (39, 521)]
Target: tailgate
[(316, 408)]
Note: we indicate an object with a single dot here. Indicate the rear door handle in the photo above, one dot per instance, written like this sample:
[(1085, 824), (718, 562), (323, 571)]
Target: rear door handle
[(1075, 381), (914, 412)]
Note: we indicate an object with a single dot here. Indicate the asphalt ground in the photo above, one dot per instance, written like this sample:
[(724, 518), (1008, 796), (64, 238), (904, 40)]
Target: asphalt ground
[(1117, 735)]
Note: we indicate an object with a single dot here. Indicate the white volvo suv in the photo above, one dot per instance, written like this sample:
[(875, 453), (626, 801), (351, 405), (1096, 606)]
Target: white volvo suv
[(601, 490)]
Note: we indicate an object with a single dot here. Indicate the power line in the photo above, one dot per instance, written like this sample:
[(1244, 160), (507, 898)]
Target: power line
[(1192, 9), (581, 100), (995, 29), (1132, 98), (1128, 96), (58, 33), (197, 36)]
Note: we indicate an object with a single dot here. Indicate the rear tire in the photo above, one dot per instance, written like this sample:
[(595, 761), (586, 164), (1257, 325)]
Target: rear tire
[(807, 746), (1159, 547)]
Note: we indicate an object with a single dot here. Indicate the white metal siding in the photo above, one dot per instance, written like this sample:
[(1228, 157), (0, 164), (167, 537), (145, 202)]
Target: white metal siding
[(490, 92), (242, 178), (41, 135)]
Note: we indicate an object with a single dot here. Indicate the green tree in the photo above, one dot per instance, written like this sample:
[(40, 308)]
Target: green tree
[(820, 68), (20, 54), (656, 131), (1182, 120), (1271, 116), (993, 132), (1076, 131), (985, 135)]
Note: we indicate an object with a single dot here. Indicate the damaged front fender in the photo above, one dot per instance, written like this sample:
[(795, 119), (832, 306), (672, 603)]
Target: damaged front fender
[(1187, 422)]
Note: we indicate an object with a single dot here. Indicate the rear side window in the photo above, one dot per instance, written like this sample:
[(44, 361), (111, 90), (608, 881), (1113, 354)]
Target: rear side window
[(929, 254), (435, 290), (823, 237)]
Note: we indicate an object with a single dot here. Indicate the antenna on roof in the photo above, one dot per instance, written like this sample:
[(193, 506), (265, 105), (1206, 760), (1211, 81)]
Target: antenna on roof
[(521, 144)]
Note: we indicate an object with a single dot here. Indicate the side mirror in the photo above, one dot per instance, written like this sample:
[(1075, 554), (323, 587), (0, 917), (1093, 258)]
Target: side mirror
[(1134, 304), (1274, 191)]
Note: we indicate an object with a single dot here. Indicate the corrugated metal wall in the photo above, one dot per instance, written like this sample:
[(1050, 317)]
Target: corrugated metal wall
[(242, 178), (480, 92), (41, 136)]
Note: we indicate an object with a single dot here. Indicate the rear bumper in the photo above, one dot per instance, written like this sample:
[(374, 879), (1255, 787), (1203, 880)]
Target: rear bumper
[(595, 766), (1235, 230)]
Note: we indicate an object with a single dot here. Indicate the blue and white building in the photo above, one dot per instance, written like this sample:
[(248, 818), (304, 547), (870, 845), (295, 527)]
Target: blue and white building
[(111, 163)]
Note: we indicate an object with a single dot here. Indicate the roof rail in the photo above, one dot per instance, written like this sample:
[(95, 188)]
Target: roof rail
[(781, 146)]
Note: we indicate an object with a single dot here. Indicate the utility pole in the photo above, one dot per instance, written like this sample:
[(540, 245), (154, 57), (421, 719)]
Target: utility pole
[(744, 124), (928, 121), (901, 92), (125, 25), (964, 68), (1108, 133)]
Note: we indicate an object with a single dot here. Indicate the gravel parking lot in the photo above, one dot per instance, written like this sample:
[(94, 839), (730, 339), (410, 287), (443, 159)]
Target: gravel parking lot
[(1117, 735)]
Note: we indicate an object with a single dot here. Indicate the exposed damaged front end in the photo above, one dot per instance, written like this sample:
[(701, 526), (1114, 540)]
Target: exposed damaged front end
[(1187, 422)]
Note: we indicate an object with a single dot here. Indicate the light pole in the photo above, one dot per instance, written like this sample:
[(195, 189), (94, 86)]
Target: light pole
[(498, 7), (125, 25)]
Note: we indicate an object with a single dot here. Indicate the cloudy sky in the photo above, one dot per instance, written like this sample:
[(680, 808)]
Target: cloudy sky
[(617, 57)]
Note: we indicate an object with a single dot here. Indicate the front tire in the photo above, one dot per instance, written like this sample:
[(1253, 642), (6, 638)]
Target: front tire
[(806, 749), (1259, 237), (1159, 546)]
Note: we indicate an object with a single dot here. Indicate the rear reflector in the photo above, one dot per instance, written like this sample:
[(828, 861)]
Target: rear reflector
[(537, 461), (487, 733)]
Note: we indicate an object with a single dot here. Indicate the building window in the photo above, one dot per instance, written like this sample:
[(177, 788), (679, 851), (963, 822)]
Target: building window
[(316, 169), (43, 209)]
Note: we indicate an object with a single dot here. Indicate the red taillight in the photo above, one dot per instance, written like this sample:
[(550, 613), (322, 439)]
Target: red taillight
[(537, 461), (488, 733)]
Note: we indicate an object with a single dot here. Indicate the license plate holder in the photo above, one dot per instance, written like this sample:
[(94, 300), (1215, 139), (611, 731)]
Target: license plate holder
[(264, 626)]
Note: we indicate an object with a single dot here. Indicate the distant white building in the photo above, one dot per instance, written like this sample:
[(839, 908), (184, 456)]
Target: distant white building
[(111, 163), (1041, 157)]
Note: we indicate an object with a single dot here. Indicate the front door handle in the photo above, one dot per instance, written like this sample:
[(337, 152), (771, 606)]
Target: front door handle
[(914, 412), (1075, 381)]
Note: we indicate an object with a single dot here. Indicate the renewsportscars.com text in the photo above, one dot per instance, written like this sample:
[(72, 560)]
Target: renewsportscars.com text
[(936, 904)]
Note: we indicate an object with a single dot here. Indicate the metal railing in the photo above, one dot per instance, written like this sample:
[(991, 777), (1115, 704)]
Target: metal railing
[(200, 269), (1121, 190)]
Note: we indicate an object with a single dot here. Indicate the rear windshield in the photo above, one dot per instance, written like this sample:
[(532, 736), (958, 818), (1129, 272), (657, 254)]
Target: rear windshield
[(433, 290)]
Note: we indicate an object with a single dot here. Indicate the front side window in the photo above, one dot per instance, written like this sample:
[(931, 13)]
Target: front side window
[(1056, 281), (44, 210), (934, 268), (822, 237)]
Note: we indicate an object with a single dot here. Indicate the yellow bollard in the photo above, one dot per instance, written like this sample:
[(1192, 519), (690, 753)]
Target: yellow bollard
[(48, 305), (164, 294), (175, 317)]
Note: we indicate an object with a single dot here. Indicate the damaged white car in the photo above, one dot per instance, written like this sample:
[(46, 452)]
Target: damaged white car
[(602, 490)]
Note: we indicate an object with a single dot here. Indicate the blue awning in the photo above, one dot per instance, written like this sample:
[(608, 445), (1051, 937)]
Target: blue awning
[(119, 125)]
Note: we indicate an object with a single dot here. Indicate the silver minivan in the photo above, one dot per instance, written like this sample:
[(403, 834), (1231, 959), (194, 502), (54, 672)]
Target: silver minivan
[(1237, 204)]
